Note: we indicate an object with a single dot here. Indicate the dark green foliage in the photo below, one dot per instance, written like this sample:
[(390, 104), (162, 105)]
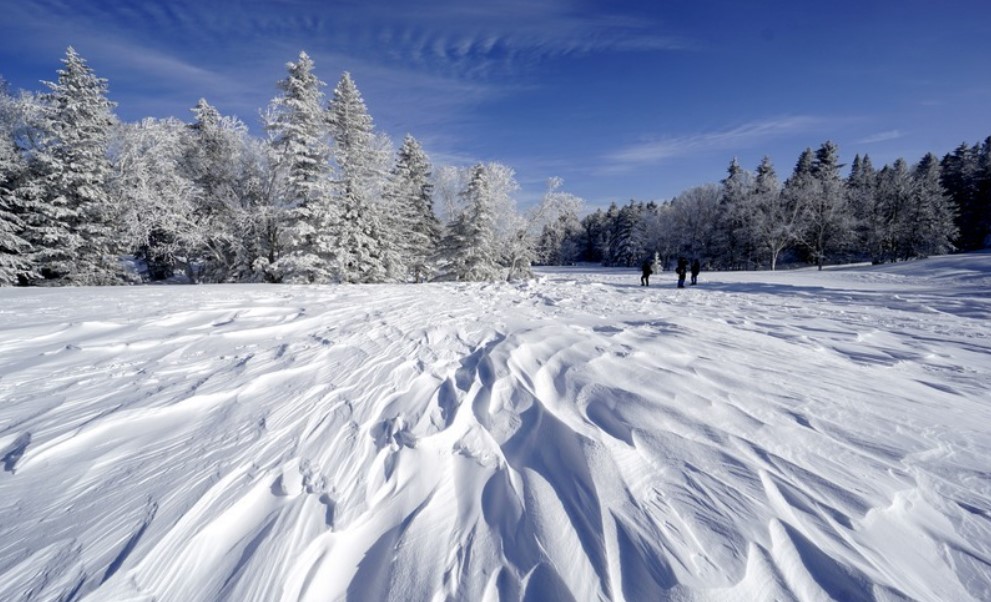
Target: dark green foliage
[(966, 177)]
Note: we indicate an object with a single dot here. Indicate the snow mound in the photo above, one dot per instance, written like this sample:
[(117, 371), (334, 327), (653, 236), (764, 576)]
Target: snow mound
[(802, 435)]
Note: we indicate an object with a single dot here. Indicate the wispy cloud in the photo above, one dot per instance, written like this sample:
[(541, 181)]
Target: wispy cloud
[(466, 39), (881, 137), (422, 67), (743, 136), (492, 40)]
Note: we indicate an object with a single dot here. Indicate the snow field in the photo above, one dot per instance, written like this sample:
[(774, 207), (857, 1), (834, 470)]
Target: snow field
[(794, 435)]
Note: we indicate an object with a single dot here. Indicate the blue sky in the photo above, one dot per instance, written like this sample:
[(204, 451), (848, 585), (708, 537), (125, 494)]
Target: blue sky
[(622, 99)]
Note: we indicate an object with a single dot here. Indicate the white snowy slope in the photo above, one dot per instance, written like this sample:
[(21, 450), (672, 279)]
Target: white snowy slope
[(763, 436)]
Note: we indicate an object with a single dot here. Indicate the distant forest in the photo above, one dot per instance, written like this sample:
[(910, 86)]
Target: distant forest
[(751, 220), (323, 197)]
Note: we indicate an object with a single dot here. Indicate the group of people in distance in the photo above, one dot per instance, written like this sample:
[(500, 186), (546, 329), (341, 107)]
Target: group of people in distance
[(682, 270)]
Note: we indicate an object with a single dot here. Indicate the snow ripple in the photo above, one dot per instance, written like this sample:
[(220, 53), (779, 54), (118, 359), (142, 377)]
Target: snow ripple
[(762, 436)]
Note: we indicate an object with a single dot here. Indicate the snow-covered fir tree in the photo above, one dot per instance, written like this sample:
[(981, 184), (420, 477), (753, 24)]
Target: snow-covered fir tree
[(826, 216), (73, 230), (800, 190), (365, 249), (627, 241), (298, 135), (469, 248), (18, 192), (930, 212), (410, 194), (772, 220), (982, 212), (735, 248), (863, 199), (966, 177), (15, 250), (894, 189)]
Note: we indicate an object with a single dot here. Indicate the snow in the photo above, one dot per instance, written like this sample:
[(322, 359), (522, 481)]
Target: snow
[(793, 435)]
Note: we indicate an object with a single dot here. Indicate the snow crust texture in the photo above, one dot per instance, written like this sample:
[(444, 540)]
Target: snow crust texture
[(763, 436)]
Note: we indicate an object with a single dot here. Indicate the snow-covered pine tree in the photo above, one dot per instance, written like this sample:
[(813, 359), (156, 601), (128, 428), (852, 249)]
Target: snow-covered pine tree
[(931, 214), (365, 249), (734, 243), (297, 130), (773, 218), (627, 240), (966, 177), (15, 250), (469, 245), (827, 217), (982, 213), (894, 189), (863, 199), (75, 226), (800, 190), (593, 225), (410, 194), (605, 234), (16, 195)]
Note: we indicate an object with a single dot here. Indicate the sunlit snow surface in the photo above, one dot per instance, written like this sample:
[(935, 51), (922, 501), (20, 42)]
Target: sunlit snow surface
[(762, 436)]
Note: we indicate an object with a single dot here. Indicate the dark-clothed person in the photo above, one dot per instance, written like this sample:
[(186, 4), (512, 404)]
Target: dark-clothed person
[(646, 270), (681, 270)]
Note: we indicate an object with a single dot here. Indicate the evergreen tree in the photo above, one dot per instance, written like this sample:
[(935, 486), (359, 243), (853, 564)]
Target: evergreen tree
[(593, 231), (773, 218), (966, 177), (982, 205), (469, 244), (734, 249), (16, 195), (826, 216), (869, 219), (800, 190), (931, 216), (73, 229), (411, 195), (297, 127), (15, 250), (894, 191), (364, 253), (627, 240)]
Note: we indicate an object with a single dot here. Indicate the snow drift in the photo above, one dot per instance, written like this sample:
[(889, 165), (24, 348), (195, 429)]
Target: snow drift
[(800, 435)]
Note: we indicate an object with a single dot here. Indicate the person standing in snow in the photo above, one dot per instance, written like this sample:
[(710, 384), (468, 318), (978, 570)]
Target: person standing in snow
[(696, 268), (646, 270), (681, 270)]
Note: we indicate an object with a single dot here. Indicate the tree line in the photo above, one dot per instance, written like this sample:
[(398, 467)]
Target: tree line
[(323, 197), (751, 220)]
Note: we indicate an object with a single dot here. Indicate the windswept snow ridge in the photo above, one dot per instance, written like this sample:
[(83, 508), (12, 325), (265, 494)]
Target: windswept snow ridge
[(801, 435)]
